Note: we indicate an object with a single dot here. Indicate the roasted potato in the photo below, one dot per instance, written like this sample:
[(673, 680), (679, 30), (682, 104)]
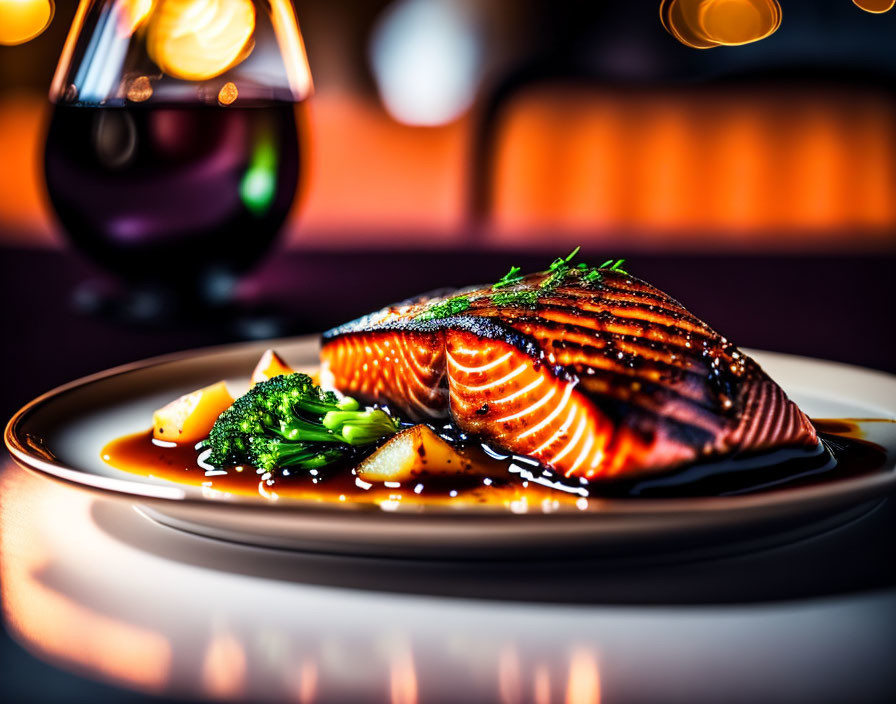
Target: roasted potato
[(409, 453), (189, 418)]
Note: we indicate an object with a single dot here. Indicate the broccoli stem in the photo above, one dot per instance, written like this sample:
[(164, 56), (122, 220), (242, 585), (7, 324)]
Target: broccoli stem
[(288, 455), (319, 408), (360, 427), (299, 430)]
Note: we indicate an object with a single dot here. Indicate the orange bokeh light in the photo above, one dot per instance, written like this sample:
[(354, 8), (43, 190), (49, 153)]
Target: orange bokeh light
[(132, 14), (875, 6), (23, 20), (196, 40), (703, 24)]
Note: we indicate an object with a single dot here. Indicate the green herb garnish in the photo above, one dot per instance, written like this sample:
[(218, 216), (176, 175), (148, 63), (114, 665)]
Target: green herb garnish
[(614, 265), (445, 309), (562, 263), (516, 298), (511, 277), (557, 271)]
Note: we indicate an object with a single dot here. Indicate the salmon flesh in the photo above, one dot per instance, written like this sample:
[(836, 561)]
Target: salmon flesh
[(593, 378)]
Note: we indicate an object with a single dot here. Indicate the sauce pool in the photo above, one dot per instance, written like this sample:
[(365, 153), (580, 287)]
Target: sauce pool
[(517, 484)]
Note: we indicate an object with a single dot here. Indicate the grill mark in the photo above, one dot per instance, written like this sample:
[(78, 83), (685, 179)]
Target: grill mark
[(573, 354), (663, 405), (628, 308), (550, 330), (608, 319), (601, 301), (644, 296), (635, 350), (694, 393), (656, 332)]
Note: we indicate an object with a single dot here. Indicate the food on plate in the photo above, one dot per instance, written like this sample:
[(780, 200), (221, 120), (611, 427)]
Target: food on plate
[(287, 421), (571, 382), (189, 418), (411, 453), (270, 365), (590, 371)]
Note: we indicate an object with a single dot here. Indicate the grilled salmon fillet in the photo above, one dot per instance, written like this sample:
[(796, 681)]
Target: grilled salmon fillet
[(593, 378)]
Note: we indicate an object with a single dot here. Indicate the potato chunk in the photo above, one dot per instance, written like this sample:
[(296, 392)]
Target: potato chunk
[(270, 365), (409, 453), (190, 418)]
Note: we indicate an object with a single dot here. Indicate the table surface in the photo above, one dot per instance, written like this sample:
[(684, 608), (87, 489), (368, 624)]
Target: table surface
[(112, 607)]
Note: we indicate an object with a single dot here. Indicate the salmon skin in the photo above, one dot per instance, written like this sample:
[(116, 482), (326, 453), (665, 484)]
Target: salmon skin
[(595, 379)]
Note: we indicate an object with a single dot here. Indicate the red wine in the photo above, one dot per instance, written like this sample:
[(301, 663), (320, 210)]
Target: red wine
[(165, 193)]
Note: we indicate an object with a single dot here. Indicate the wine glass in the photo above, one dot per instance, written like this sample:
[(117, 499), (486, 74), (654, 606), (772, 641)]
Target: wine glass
[(177, 141)]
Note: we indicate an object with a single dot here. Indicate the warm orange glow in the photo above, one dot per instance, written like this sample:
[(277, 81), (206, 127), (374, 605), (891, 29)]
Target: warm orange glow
[(703, 24), (49, 621), (875, 6), (734, 22), (541, 685), (412, 177), (766, 166), (199, 39), (224, 667), (140, 89), (24, 212), (583, 685), (23, 20), (132, 14), (573, 161), (58, 87), (292, 48), (509, 675), (228, 93), (303, 682), (403, 679), (673, 18)]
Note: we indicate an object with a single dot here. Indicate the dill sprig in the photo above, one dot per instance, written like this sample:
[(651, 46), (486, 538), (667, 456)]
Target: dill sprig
[(528, 297), (511, 277), (614, 265), (562, 263), (558, 270), (556, 273), (446, 308)]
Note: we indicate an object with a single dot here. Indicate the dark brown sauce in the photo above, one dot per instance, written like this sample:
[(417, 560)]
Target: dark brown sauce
[(520, 485)]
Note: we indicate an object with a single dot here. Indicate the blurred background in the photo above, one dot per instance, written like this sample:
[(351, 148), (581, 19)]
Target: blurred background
[(446, 140), (577, 122)]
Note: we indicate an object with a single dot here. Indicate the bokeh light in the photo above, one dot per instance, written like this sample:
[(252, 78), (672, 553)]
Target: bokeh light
[(23, 20), (132, 14), (196, 40), (140, 89), (875, 6), (228, 93), (703, 24), (426, 57)]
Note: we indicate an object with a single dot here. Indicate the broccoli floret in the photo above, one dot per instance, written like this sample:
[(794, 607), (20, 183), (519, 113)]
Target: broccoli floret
[(287, 421)]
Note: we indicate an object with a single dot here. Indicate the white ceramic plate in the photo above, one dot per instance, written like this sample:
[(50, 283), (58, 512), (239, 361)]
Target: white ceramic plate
[(62, 433)]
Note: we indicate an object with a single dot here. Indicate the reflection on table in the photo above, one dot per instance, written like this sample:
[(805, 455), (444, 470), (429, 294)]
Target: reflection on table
[(92, 586)]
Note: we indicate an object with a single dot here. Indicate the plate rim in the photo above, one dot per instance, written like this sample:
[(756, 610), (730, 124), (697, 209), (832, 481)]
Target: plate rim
[(31, 460)]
